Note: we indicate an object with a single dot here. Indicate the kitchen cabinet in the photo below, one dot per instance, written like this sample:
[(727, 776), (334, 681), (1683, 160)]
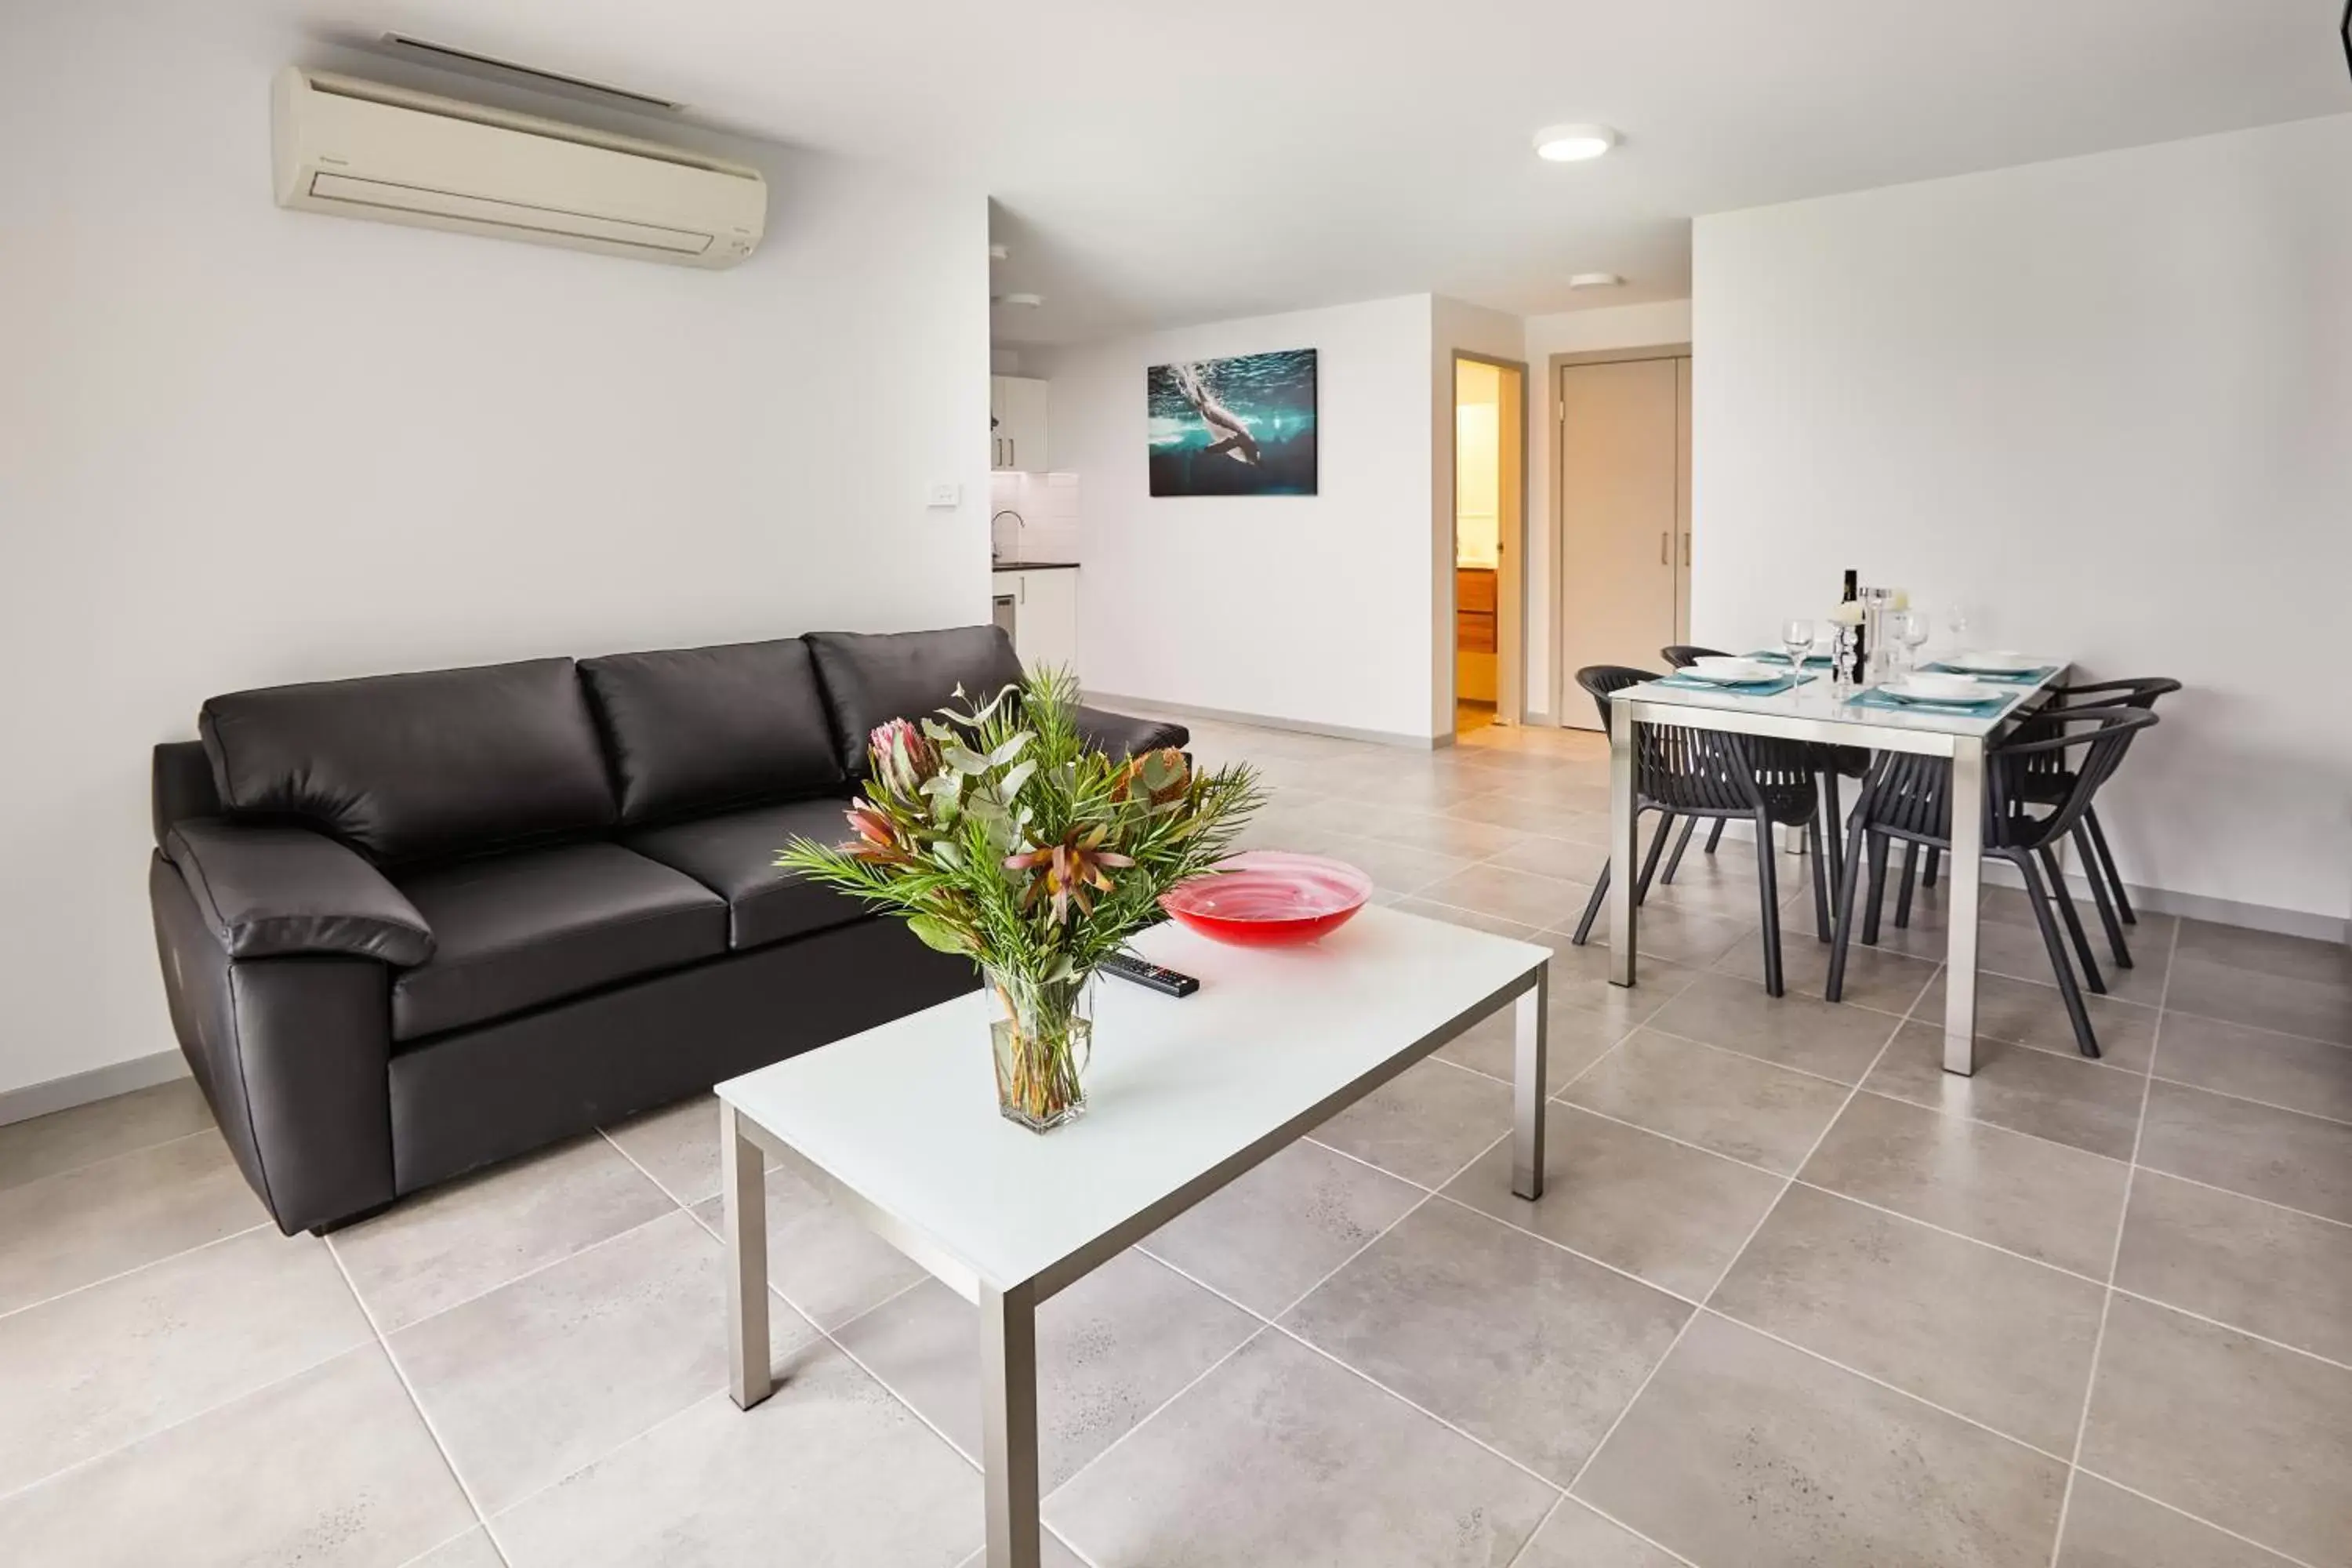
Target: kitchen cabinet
[(1017, 423), (1044, 607)]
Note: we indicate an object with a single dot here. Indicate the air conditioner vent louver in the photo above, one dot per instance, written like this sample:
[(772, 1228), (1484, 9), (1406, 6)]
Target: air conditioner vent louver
[(362, 149)]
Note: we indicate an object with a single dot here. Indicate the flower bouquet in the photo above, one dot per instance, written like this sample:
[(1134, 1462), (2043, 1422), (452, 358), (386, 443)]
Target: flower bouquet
[(997, 832)]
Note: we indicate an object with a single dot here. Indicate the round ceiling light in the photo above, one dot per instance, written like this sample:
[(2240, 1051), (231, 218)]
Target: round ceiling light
[(1573, 144)]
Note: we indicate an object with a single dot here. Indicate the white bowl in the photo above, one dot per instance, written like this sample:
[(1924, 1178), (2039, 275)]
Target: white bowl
[(1927, 686), (1729, 670), (1995, 661)]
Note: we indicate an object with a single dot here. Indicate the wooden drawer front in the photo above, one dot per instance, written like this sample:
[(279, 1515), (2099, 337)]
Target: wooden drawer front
[(1474, 633), (1473, 590)]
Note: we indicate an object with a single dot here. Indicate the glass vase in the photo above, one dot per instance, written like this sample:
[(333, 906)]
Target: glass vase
[(1042, 1037)]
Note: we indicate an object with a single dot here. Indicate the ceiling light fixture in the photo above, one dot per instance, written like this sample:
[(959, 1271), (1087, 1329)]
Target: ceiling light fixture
[(1594, 280), (1573, 144), (998, 252), (1028, 301)]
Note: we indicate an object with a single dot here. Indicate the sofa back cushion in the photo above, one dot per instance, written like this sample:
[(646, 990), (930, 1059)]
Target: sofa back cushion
[(702, 730), (872, 677), (409, 767)]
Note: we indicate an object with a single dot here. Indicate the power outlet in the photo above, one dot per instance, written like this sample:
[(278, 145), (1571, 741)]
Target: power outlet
[(946, 495)]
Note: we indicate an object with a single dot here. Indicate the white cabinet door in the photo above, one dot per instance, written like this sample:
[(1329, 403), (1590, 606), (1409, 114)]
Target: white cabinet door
[(1046, 618), (996, 432), (1019, 404)]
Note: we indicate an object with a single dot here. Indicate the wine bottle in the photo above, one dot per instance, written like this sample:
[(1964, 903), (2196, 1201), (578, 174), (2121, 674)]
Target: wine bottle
[(1862, 627)]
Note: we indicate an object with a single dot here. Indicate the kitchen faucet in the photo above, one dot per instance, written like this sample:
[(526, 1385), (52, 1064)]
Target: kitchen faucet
[(1020, 526)]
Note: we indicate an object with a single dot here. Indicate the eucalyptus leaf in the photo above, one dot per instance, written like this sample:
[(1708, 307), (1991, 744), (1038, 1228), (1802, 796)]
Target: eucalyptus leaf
[(937, 935)]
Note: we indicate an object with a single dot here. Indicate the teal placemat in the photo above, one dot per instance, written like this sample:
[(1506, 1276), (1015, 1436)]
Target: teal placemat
[(1990, 709), (1780, 656), (1757, 688), (2003, 678)]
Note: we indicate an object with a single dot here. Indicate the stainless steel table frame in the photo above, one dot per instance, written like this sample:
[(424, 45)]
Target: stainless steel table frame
[(1008, 1338), (1810, 714)]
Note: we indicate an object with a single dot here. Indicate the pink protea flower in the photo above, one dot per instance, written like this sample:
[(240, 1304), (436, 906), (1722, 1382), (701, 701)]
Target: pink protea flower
[(903, 756)]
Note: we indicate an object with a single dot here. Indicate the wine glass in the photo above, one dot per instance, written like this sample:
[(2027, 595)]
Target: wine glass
[(1797, 637), (1957, 618), (1913, 630)]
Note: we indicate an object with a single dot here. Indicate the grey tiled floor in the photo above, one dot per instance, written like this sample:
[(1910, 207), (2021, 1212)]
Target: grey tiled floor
[(1794, 1296)]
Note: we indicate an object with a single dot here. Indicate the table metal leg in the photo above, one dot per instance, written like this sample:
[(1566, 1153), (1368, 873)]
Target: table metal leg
[(1528, 1071), (1966, 879), (749, 1378), (1624, 847), (1008, 1440)]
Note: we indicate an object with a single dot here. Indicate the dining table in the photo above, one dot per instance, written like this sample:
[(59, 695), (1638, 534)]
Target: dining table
[(1862, 717)]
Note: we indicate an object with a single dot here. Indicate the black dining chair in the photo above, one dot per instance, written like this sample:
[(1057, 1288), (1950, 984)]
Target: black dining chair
[(1682, 656), (1833, 762), (1690, 774), (2051, 779), (1906, 798)]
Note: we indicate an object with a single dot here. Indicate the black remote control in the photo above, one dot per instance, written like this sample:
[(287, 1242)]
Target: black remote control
[(1127, 966)]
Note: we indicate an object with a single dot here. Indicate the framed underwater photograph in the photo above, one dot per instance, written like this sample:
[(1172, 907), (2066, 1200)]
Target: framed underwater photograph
[(1241, 426)]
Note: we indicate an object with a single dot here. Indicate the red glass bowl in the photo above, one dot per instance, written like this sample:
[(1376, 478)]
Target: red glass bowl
[(1270, 897)]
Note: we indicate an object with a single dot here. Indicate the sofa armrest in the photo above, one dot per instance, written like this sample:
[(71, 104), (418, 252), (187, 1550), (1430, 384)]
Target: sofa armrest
[(1121, 736), (266, 891)]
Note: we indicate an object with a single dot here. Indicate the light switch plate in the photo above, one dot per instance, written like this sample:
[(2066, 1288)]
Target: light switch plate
[(946, 495)]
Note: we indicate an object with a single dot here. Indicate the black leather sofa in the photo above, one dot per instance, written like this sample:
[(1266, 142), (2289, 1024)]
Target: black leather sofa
[(414, 924)]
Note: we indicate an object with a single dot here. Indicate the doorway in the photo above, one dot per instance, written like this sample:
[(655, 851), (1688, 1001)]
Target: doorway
[(1622, 539), (1489, 524)]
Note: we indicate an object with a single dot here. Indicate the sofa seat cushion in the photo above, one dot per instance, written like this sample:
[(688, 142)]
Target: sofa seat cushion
[(734, 854), (512, 932)]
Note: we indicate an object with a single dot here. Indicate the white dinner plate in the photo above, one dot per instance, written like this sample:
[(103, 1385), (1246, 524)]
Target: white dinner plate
[(1995, 661), (1726, 670), (1930, 688)]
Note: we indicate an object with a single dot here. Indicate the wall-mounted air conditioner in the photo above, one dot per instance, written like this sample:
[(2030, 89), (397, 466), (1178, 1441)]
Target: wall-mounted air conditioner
[(361, 149)]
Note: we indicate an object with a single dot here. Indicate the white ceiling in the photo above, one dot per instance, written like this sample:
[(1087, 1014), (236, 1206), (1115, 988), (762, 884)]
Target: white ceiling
[(1155, 164)]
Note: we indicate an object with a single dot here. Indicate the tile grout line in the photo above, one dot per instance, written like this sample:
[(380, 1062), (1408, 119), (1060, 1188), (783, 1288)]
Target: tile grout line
[(136, 1269), (1268, 1323), (210, 1126), (2250, 1100), (2148, 1077), (2114, 1258), (433, 1432), (531, 1272), (1733, 1262), (2197, 1518), (490, 1527), (174, 1425), (2226, 1326)]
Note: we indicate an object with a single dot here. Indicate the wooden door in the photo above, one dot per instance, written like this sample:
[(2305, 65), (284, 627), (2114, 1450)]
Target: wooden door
[(1621, 520)]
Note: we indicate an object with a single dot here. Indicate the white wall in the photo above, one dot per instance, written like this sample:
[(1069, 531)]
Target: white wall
[(2107, 403), (1568, 332), (1313, 609), (240, 445)]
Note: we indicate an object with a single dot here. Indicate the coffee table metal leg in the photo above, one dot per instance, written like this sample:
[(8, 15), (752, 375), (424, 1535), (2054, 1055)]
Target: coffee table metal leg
[(749, 1377), (1529, 1072), (1008, 1439)]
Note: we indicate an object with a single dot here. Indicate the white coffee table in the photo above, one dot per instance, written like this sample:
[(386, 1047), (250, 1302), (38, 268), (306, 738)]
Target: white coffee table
[(900, 1125)]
